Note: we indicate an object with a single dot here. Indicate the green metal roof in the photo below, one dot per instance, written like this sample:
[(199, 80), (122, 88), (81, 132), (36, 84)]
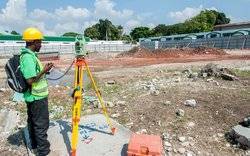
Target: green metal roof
[(46, 38), (202, 33)]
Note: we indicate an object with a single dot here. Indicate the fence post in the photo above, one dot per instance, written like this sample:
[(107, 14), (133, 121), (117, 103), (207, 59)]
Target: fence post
[(156, 44), (228, 42), (189, 43), (244, 42)]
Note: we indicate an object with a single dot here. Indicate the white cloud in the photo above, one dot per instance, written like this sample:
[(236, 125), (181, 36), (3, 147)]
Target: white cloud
[(89, 23), (188, 12), (105, 9), (39, 14), (132, 23), (67, 27), (151, 25), (14, 16), (71, 13), (14, 10), (212, 8), (235, 19), (125, 17)]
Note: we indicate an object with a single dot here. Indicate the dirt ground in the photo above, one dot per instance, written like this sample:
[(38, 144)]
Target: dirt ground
[(147, 91)]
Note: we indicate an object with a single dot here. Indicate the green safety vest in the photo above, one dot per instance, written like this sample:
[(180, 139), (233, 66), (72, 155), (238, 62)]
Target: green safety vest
[(40, 88)]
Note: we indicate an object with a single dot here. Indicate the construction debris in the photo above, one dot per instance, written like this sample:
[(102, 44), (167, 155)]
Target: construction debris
[(191, 103), (139, 52), (140, 111), (246, 122), (228, 77), (2, 89), (115, 115), (166, 136), (240, 135), (212, 70), (181, 150), (142, 131), (141, 144), (182, 139), (111, 82), (9, 120), (110, 104), (190, 124), (167, 103), (180, 112), (18, 97), (121, 103)]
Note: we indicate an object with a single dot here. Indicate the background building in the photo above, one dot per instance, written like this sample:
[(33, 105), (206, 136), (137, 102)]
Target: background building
[(241, 25)]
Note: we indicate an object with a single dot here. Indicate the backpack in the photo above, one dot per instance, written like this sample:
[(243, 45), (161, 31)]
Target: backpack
[(15, 78)]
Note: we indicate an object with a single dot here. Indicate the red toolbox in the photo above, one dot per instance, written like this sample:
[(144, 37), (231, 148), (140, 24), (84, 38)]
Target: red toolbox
[(145, 145)]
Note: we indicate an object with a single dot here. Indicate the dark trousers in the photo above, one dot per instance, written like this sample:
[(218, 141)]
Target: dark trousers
[(38, 124)]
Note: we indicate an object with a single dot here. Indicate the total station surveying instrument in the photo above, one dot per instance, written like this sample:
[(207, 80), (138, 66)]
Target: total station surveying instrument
[(81, 66)]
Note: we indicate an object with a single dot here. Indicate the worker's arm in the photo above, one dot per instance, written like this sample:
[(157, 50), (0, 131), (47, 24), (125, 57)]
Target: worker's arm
[(46, 68)]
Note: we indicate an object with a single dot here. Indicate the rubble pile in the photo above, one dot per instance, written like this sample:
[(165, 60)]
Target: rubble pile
[(139, 52), (240, 134)]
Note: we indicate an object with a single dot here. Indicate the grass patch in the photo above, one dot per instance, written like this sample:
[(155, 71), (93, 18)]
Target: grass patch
[(109, 89), (242, 73), (179, 122)]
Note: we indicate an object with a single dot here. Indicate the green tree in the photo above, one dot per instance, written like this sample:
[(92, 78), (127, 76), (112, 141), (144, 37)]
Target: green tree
[(92, 32), (204, 21), (126, 38), (70, 34), (221, 18), (104, 30), (120, 31), (140, 32), (13, 32), (160, 30)]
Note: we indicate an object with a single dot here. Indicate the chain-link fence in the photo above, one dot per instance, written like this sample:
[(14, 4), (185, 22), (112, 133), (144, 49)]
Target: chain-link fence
[(232, 42)]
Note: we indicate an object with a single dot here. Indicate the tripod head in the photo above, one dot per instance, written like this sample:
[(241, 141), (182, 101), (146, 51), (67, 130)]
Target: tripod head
[(80, 49)]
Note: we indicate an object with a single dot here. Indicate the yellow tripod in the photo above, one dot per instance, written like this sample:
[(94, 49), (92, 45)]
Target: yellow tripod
[(80, 67)]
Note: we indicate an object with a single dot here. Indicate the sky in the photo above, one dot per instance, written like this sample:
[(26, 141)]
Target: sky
[(55, 17)]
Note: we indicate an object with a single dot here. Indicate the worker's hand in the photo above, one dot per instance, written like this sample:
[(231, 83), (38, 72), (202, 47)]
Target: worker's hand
[(48, 67)]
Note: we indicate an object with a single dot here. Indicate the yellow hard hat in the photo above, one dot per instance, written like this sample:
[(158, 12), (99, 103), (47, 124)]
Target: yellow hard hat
[(31, 34)]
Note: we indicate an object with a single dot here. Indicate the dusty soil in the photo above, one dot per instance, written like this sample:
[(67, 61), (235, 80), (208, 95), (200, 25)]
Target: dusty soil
[(138, 57), (138, 52), (220, 104)]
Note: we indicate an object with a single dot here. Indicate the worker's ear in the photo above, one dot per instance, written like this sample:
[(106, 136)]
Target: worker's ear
[(37, 41)]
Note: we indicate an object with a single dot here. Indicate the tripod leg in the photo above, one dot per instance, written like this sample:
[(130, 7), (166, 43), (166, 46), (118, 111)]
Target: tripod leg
[(97, 91), (77, 105)]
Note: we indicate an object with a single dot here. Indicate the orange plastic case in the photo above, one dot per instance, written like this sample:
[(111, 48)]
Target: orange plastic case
[(145, 145)]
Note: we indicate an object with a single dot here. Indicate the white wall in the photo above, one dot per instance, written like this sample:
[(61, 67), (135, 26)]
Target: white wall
[(12, 47)]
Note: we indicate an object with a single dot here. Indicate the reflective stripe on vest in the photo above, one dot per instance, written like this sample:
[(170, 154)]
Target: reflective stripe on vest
[(40, 88)]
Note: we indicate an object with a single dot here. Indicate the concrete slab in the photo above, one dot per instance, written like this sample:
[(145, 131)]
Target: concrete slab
[(94, 137), (241, 135)]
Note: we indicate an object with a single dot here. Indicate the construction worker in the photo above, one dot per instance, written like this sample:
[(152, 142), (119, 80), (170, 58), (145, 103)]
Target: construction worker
[(36, 97)]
